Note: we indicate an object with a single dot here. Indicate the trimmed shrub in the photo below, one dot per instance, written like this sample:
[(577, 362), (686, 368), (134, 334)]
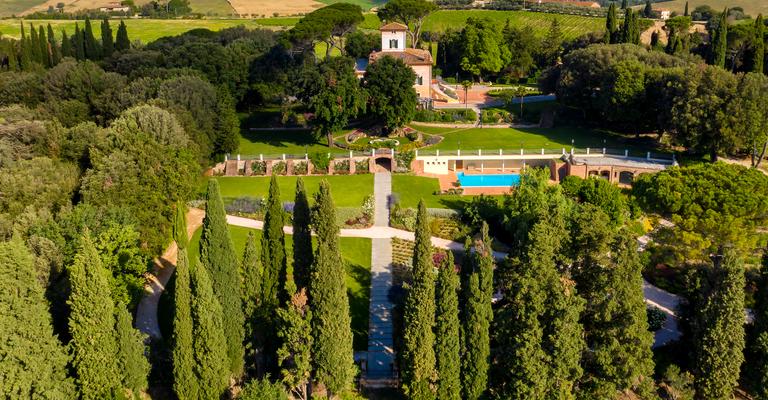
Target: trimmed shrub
[(259, 167), (279, 168), (341, 167), (245, 205), (300, 168), (362, 167), (320, 162), (404, 160)]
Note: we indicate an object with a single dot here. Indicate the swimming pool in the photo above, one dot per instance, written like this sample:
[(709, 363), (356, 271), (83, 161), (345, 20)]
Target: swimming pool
[(497, 180)]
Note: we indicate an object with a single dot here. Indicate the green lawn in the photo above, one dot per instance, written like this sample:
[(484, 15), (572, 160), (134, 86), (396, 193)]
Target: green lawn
[(347, 190), (212, 7), (493, 139), (356, 253), (253, 143), (410, 189)]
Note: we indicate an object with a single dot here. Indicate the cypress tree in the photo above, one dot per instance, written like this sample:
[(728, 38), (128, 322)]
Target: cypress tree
[(210, 344), (332, 348), (611, 25), (34, 45), (42, 42), (719, 329), (131, 359), (685, 13), (719, 42), (55, 50), (78, 44), (758, 57), (626, 26), (92, 50), (655, 40), (66, 45), (107, 43), (624, 4), (635, 36), (25, 57), (447, 350), (184, 380), (122, 42), (302, 237), (273, 257), (758, 336), (218, 255), (92, 325), (295, 333), (418, 354), (648, 10), (33, 363), (251, 298)]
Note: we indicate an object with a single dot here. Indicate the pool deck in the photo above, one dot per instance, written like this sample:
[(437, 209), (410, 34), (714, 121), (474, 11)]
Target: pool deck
[(448, 182)]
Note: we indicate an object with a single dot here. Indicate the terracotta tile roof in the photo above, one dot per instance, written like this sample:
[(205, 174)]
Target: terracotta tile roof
[(394, 26), (409, 56)]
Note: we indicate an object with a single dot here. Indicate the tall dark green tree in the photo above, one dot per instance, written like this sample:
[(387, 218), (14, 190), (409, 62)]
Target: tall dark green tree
[(25, 56), (122, 42), (107, 42), (686, 13), (391, 96), (719, 43), (418, 354), (611, 25), (447, 349), (66, 45), (718, 328), (92, 47), (332, 349), (45, 55), (294, 355), (212, 370), (218, 255), (648, 10), (758, 46), (252, 273), (78, 44), (273, 256), (184, 380), (757, 350), (132, 361), (302, 237), (624, 4), (338, 99), (55, 49), (92, 325), (34, 44), (33, 363)]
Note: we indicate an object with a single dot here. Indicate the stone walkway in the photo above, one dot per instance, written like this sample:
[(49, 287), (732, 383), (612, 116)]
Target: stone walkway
[(381, 350)]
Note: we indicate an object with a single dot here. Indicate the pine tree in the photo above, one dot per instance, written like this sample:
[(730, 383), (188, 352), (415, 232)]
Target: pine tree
[(758, 336), (611, 25), (302, 237), (447, 350), (273, 257), (685, 13), (719, 42), (92, 48), (648, 10), (418, 354), (42, 42), (719, 329), (131, 359), (758, 57), (55, 50), (122, 42), (107, 43), (295, 333), (332, 349), (33, 363), (184, 380), (92, 325), (218, 255), (210, 344), (66, 45), (252, 272)]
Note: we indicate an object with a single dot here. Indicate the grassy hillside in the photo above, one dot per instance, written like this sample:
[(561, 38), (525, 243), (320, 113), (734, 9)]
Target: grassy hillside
[(212, 7), (364, 4), (752, 7), (14, 7)]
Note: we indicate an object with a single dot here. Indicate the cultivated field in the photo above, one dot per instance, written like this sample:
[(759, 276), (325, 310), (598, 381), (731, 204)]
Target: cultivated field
[(16, 7), (752, 7), (268, 8)]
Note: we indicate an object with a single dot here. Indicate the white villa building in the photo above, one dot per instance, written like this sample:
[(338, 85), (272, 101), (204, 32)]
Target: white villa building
[(394, 44)]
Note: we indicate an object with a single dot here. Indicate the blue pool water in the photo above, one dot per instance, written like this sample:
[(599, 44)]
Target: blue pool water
[(503, 180)]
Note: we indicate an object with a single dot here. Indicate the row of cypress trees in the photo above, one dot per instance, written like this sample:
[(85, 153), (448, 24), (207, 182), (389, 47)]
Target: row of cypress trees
[(106, 357), (41, 46), (629, 32), (446, 348), (254, 318)]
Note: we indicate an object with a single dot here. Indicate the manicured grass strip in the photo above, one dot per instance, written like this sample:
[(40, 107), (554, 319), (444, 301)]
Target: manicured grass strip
[(254, 143), (493, 139), (347, 190), (357, 254), (410, 189)]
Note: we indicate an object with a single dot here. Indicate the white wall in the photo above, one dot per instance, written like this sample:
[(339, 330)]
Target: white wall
[(398, 35)]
